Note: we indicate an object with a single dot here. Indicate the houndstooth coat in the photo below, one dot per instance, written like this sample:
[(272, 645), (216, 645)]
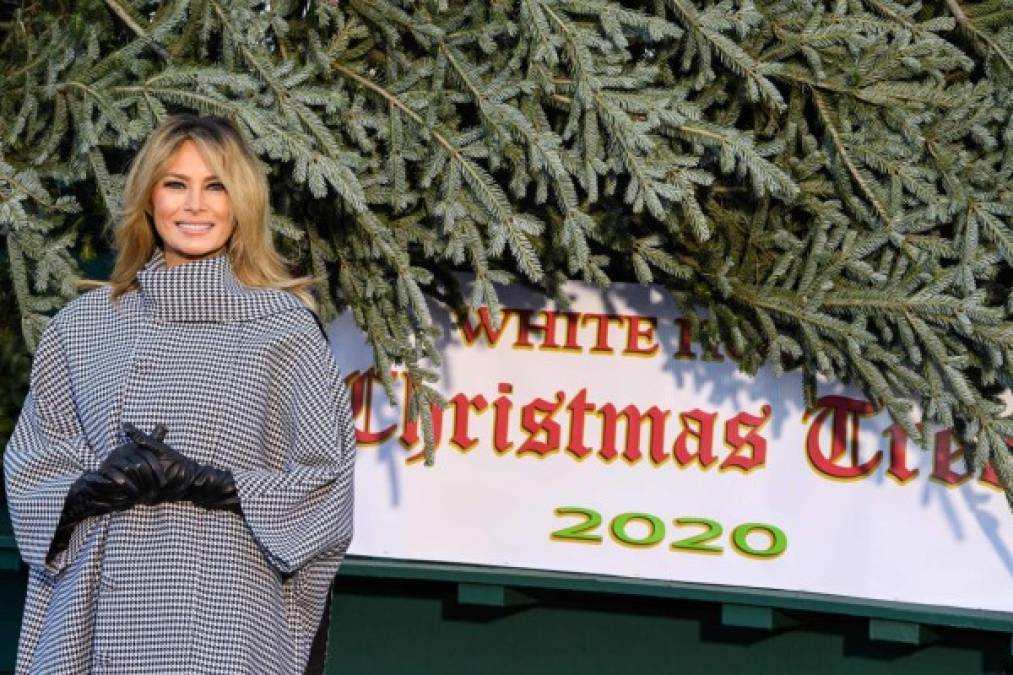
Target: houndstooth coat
[(244, 380)]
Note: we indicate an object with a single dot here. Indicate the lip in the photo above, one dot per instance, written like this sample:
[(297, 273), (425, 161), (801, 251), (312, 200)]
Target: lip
[(189, 233)]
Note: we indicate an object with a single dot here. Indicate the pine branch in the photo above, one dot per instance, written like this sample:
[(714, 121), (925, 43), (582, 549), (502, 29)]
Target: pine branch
[(849, 163), (979, 35), (132, 22)]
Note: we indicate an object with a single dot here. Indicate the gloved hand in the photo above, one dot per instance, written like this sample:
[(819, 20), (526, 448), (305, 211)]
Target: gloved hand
[(130, 475), (186, 479)]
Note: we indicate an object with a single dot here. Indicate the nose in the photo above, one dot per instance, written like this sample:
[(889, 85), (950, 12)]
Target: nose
[(194, 200)]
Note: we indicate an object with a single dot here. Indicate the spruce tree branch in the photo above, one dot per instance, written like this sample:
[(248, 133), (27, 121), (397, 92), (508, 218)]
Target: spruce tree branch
[(968, 25), (79, 85), (531, 4), (35, 195), (24, 69), (21, 289), (280, 94), (936, 349), (957, 11), (465, 76), (396, 102), (790, 306), (856, 94), (845, 156), (706, 133), (125, 17), (690, 15), (932, 306), (570, 38), (208, 102), (477, 182), (902, 20), (533, 142), (391, 98), (31, 64), (633, 162)]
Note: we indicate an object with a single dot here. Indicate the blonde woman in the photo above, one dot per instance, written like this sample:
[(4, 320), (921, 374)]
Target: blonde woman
[(180, 476)]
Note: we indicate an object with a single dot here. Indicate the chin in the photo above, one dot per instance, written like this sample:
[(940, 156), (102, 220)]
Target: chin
[(190, 250)]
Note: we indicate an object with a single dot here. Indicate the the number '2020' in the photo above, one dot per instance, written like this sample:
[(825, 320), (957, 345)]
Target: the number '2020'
[(586, 530)]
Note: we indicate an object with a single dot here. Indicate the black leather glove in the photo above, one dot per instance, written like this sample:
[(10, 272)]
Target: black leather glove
[(186, 479), (131, 474)]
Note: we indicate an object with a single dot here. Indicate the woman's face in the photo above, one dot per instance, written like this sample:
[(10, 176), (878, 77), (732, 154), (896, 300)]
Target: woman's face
[(191, 209)]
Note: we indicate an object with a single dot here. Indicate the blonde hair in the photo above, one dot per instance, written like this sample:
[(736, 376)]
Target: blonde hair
[(255, 260)]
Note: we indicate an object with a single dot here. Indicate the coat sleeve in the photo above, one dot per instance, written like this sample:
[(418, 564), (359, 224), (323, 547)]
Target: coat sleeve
[(304, 511), (46, 453)]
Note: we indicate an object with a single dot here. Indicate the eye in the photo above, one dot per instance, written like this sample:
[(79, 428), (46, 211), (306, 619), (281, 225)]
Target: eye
[(174, 184), (215, 186)]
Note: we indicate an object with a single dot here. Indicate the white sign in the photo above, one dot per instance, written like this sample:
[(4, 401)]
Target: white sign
[(600, 440)]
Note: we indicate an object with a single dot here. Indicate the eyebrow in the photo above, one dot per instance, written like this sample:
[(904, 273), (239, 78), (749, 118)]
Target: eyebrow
[(185, 177)]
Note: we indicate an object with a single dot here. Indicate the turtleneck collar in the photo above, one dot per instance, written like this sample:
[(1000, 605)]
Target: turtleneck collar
[(205, 290)]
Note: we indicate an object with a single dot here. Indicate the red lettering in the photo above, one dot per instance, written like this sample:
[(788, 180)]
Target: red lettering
[(572, 326), (501, 419), (943, 458), (484, 327), (844, 410), (756, 443), (546, 425), (361, 385), (898, 454), (703, 435), (462, 405), (634, 419), (685, 340), (601, 341), (641, 328), (525, 326), (578, 409)]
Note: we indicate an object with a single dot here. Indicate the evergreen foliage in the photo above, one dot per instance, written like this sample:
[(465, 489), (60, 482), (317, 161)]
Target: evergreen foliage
[(15, 361), (830, 182)]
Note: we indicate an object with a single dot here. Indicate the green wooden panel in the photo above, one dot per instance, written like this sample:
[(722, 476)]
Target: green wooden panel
[(903, 632), (9, 557), (387, 627), (491, 595), (784, 600), (12, 600), (749, 616)]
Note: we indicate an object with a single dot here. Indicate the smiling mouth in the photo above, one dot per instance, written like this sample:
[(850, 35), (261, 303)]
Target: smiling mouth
[(195, 228)]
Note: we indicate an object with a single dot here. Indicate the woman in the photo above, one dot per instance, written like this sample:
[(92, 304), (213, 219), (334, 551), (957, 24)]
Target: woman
[(180, 477)]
